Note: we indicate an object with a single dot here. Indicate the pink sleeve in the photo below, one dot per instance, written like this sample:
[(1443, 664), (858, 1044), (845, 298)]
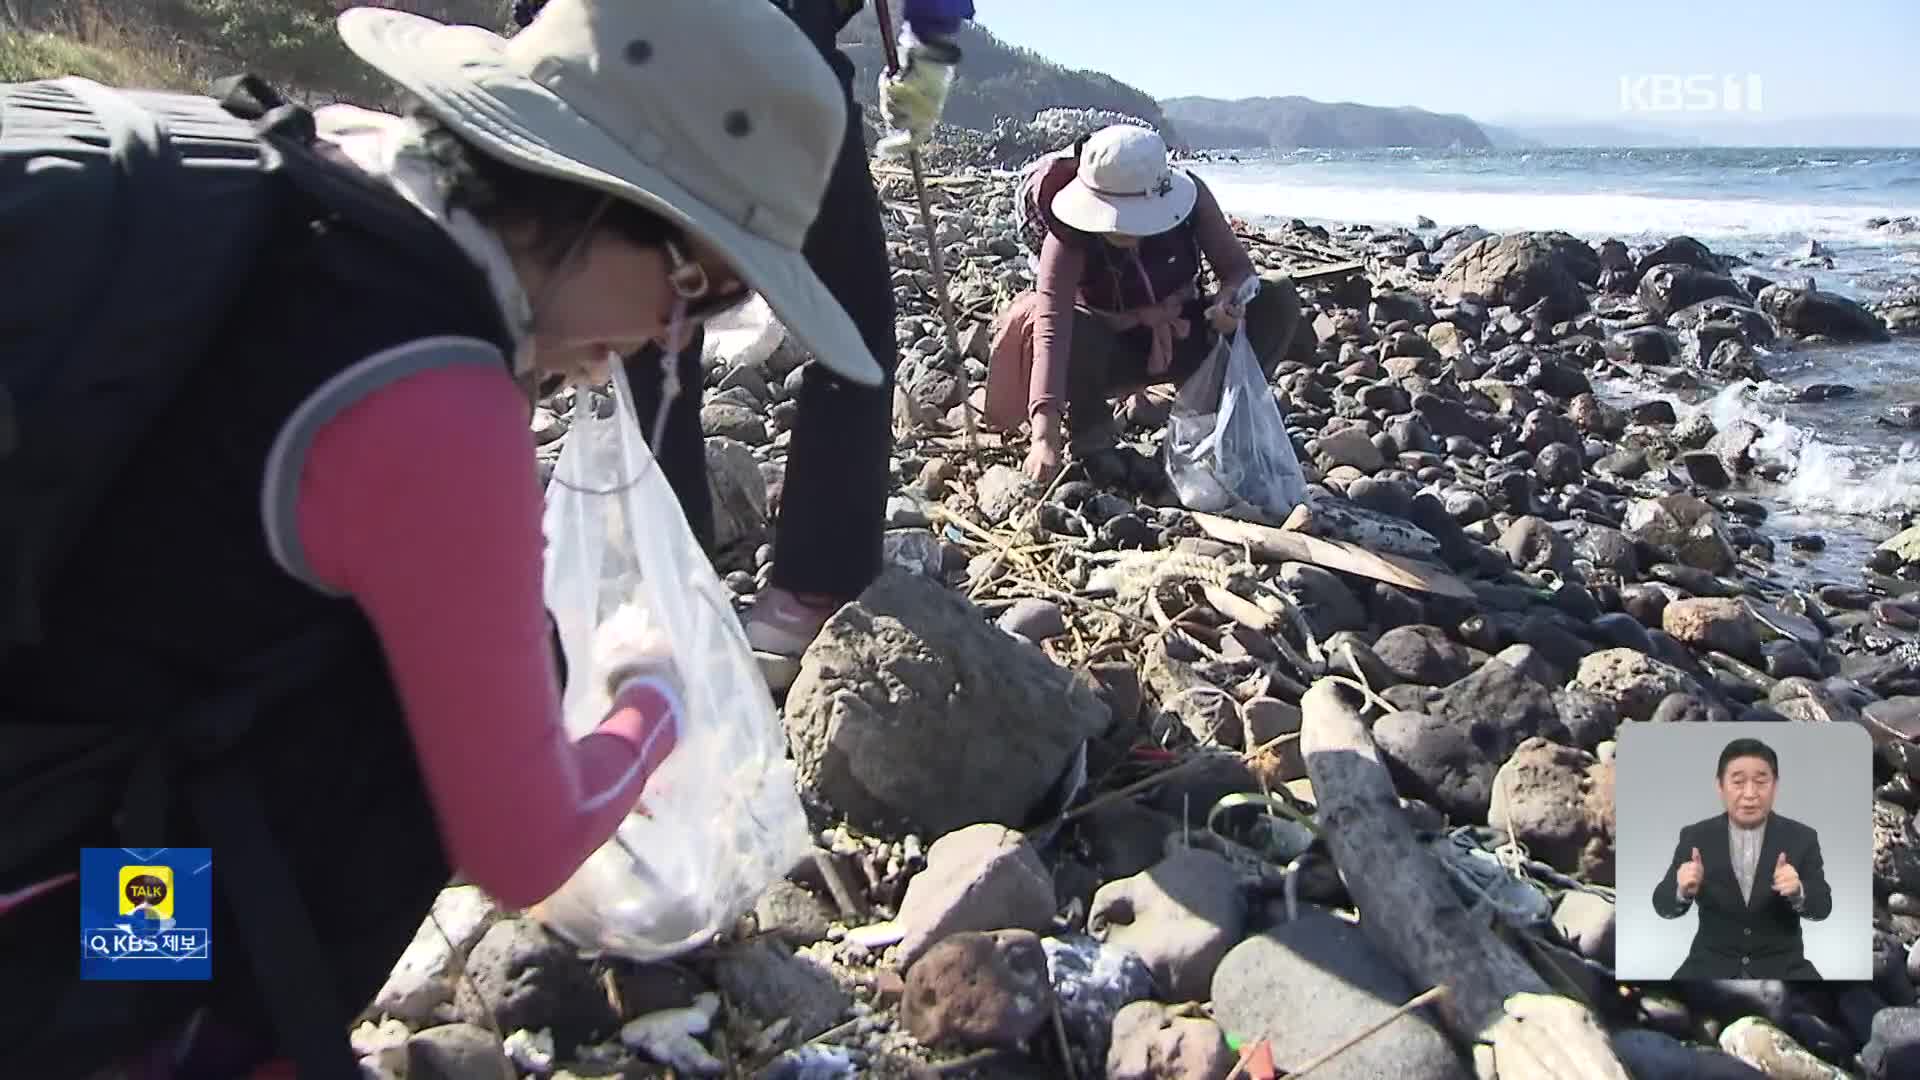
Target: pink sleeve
[(1058, 284), (421, 501)]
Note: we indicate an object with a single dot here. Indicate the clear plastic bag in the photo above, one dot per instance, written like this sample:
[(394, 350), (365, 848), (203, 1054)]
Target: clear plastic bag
[(1227, 448), (724, 819)]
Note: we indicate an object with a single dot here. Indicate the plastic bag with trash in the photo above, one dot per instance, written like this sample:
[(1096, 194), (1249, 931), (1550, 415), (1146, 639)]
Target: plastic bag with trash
[(1227, 449), (722, 818)]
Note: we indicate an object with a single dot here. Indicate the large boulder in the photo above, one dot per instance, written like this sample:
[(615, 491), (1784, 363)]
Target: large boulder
[(1715, 624), (1685, 525), (1805, 312), (1558, 801), (1703, 326), (1500, 708), (1632, 682), (1455, 241), (1519, 270), (1667, 288), (913, 712), (1684, 250), (1578, 256)]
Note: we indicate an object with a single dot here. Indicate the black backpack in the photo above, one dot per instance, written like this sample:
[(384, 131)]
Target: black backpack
[(129, 222)]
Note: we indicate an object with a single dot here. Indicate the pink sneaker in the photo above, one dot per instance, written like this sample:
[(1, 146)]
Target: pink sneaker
[(784, 623), (780, 627)]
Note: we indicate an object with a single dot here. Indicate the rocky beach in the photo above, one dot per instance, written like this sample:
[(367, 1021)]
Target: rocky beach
[(1104, 787)]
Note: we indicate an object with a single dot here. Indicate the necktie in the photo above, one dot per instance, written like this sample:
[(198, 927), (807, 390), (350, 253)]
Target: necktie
[(1744, 861)]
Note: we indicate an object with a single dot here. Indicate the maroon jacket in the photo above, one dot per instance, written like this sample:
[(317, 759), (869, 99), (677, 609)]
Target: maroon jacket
[(1082, 269)]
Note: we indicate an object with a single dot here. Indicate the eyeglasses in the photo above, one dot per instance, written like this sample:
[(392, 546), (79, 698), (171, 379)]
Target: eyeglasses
[(693, 284)]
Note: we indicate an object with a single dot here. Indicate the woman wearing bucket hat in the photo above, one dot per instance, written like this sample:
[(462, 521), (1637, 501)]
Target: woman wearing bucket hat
[(349, 472), (834, 492), (1117, 306)]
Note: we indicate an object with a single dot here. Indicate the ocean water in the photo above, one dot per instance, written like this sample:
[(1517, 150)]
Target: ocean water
[(1849, 479)]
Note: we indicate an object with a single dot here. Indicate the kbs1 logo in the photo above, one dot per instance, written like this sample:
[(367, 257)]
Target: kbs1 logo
[(146, 914), (1690, 93)]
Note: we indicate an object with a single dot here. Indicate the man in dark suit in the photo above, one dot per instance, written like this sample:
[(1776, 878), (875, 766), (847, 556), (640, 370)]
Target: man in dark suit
[(1754, 874)]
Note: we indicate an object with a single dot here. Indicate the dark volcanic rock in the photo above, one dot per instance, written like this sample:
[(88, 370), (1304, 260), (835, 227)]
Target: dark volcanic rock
[(1447, 418), (1668, 287), (1806, 312), (1512, 707), (1684, 250), (1656, 412), (1424, 655), (1440, 761), (1649, 346), (1703, 326)]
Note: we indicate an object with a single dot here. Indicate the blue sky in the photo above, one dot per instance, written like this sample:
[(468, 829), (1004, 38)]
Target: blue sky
[(1490, 59)]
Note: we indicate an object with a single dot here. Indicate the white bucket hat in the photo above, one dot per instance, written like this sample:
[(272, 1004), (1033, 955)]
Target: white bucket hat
[(717, 114), (1124, 185)]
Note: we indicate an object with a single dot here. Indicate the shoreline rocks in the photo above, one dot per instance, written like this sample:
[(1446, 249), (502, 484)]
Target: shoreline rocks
[(1027, 652)]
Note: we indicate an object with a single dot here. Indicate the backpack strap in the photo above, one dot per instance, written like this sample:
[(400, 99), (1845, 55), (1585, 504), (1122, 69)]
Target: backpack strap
[(196, 755), (250, 97)]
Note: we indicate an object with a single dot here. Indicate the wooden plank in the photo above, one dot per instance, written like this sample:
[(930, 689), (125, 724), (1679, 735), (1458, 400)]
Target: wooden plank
[(1312, 273), (1407, 905), (1279, 545)]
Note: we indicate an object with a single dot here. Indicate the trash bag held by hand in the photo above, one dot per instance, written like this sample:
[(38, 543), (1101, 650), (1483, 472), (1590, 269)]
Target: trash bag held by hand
[(1227, 448), (721, 818)]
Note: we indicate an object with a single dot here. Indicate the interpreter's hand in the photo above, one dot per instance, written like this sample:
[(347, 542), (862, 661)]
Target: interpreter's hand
[(1225, 316), (1786, 880), (912, 99), (1690, 875)]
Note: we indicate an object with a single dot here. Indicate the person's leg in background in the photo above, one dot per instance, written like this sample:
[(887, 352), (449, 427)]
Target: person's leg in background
[(1275, 325), (683, 453), (833, 500)]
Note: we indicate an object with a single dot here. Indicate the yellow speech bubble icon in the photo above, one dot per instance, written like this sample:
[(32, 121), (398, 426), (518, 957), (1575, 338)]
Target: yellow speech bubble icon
[(147, 886)]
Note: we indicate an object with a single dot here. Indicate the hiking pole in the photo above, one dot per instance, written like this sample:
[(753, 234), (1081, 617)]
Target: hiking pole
[(934, 259)]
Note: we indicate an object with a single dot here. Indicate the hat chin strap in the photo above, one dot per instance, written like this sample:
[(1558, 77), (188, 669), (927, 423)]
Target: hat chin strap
[(676, 343)]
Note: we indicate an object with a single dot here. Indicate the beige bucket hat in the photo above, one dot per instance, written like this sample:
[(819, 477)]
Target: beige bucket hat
[(1125, 185), (717, 114)]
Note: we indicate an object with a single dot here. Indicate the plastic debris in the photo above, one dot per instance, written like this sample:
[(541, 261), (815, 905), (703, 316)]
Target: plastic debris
[(668, 1036), (531, 1050)]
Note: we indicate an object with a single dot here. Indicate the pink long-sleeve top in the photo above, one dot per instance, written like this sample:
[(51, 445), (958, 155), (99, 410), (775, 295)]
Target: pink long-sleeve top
[(420, 500), (1063, 266)]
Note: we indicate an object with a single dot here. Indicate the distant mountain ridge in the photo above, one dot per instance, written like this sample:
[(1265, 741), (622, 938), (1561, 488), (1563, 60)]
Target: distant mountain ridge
[(1285, 123)]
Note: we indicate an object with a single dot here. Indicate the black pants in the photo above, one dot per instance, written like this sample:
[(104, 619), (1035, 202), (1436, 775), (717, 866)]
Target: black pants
[(833, 500)]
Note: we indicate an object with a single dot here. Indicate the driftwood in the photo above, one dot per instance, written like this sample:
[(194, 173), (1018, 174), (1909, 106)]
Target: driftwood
[(1374, 531), (1269, 544), (1408, 908)]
